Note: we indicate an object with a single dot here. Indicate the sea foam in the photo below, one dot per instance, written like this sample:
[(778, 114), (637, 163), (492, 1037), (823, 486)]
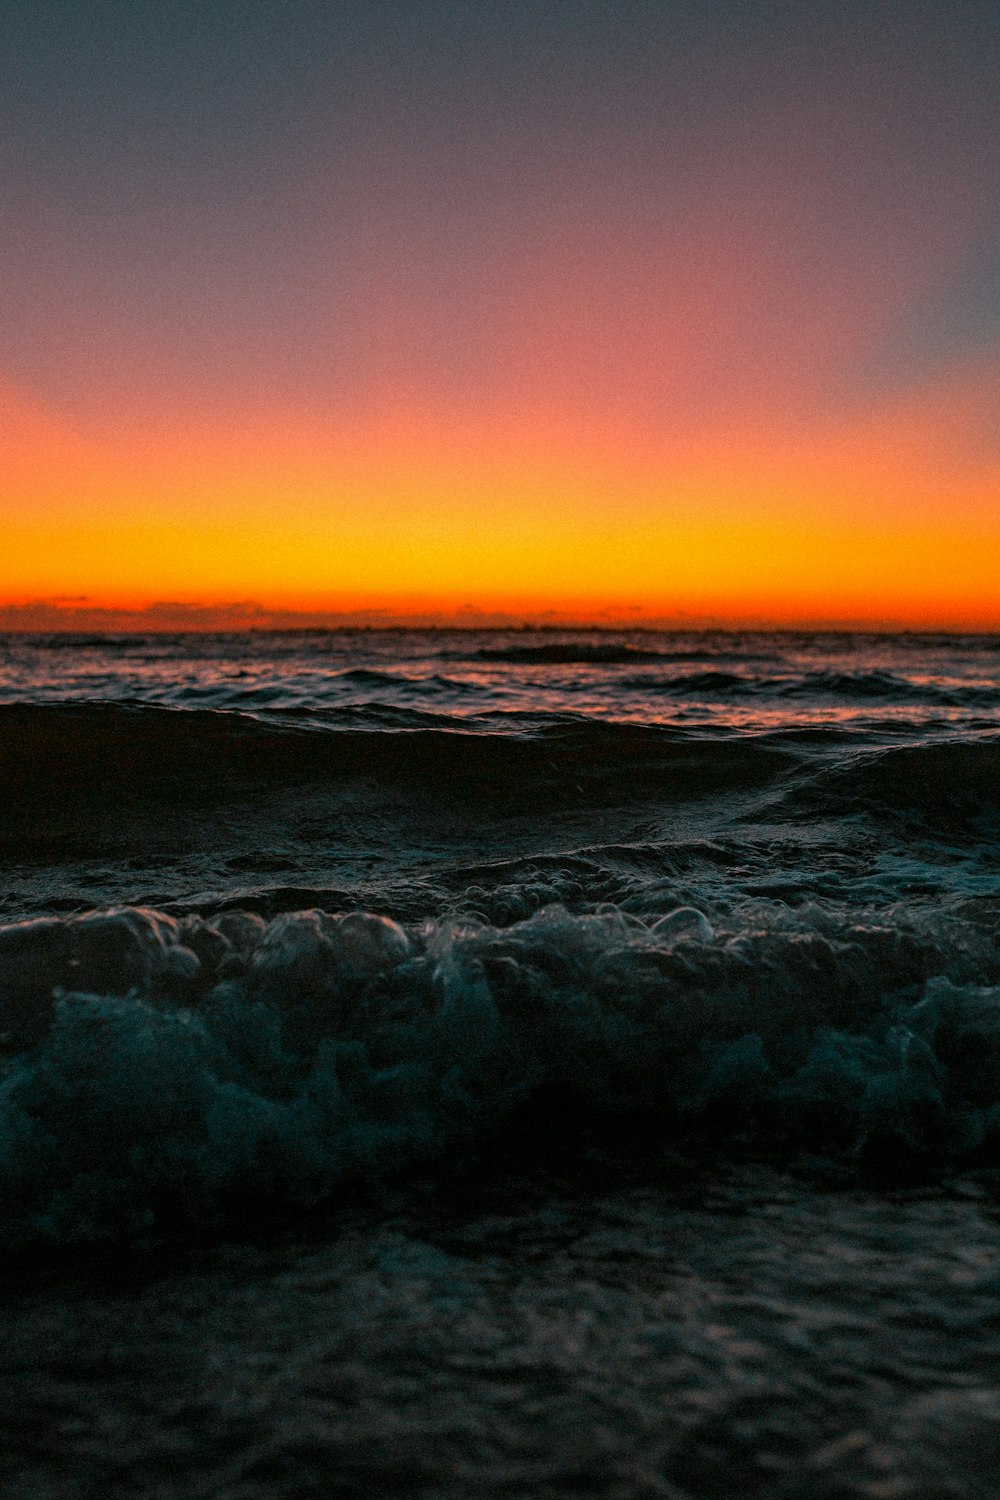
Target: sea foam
[(161, 1071)]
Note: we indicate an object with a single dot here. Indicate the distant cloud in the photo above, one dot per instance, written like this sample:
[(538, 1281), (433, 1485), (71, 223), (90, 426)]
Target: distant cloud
[(81, 615), (62, 615)]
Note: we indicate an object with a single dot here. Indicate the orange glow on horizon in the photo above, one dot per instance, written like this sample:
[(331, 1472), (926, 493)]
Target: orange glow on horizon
[(529, 516)]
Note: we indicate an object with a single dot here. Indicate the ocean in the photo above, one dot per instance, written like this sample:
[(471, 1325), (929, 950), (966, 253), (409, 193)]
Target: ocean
[(500, 1064)]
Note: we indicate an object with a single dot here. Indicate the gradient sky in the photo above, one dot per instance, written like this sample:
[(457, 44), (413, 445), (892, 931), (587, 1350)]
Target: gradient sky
[(638, 310)]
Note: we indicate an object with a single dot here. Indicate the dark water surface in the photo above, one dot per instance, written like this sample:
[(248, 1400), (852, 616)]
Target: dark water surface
[(528, 1064)]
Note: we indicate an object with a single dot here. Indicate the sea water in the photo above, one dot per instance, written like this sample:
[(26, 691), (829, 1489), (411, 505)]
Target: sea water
[(529, 1063)]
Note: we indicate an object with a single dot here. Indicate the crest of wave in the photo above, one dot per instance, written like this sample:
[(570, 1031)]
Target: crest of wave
[(161, 1072)]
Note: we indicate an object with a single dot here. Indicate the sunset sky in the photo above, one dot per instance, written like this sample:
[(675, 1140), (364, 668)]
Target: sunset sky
[(549, 308)]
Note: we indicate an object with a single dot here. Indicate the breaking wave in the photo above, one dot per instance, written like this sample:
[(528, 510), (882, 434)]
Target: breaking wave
[(161, 1074)]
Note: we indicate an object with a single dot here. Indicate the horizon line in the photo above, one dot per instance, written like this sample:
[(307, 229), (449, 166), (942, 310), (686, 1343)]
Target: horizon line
[(49, 617)]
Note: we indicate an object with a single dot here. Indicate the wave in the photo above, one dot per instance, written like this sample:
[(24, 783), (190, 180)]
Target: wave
[(886, 687), (163, 1074), (693, 684), (70, 642), (944, 783), (371, 677), (570, 653), (111, 760), (889, 687), (294, 690), (66, 750)]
